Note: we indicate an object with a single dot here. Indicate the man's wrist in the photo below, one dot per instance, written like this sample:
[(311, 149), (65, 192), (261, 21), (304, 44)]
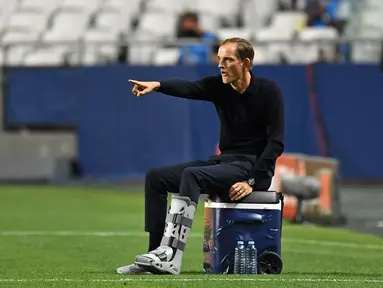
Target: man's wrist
[(251, 182), (157, 86)]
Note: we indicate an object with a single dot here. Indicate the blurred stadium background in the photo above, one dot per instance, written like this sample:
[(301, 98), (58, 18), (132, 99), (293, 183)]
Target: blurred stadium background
[(69, 118)]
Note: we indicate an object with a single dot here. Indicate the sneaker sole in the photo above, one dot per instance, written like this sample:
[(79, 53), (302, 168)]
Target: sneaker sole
[(149, 268), (133, 273)]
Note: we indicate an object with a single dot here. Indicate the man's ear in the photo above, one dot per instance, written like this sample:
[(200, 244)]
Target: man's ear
[(247, 63)]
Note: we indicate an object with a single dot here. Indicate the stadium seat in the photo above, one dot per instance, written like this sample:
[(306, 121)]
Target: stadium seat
[(225, 33), (167, 6), (316, 39), (90, 58), (225, 9), (100, 36), (130, 7), (209, 21), (67, 27), (14, 56), (263, 55), (45, 57), (158, 24), (76, 5), (289, 21), (27, 21), (8, 6), (39, 6), (277, 40), (366, 26), (113, 22), (166, 56), (107, 51), (15, 37), (372, 19), (368, 48), (142, 48), (94, 54), (257, 12)]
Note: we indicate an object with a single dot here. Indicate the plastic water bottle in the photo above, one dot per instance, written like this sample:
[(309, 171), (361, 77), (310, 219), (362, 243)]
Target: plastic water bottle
[(251, 258), (240, 258)]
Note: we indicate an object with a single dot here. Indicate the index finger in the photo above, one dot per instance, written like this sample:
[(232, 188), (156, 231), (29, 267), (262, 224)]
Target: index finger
[(135, 82)]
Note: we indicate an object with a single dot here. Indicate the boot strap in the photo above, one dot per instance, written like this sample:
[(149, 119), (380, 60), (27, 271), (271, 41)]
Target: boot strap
[(174, 243), (179, 219)]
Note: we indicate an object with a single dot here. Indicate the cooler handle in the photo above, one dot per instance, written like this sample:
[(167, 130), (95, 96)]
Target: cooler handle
[(243, 218), (250, 217)]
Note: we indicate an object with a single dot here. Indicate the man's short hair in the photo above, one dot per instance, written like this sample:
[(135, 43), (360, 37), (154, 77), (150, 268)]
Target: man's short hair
[(244, 48), (189, 15)]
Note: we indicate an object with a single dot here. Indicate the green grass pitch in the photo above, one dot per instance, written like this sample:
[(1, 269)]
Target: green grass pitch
[(77, 237)]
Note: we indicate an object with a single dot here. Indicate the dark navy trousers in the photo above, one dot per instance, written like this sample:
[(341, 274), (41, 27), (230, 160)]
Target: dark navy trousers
[(212, 177)]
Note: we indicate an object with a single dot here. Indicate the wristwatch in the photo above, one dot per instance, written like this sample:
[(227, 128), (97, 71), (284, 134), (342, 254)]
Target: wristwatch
[(251, 182)]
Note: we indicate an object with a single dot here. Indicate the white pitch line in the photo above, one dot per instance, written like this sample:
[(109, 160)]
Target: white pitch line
[(179, 279), (333, 243), (143, 234)]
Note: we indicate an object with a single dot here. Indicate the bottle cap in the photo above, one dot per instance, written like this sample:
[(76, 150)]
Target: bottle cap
[(251, 243), (240, 242)]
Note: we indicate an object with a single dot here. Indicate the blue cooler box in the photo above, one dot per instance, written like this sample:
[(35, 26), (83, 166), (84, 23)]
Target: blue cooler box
[(257, 217)]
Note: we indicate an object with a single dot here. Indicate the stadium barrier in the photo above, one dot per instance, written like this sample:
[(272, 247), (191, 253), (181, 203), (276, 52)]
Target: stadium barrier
[(331, 111)]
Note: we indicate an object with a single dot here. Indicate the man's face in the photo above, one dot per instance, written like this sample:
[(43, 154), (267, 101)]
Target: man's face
[(231, 67), (189, 24), (190, 27)]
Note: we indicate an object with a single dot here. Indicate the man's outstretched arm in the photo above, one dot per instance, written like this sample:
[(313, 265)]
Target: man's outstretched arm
[(198, 90)]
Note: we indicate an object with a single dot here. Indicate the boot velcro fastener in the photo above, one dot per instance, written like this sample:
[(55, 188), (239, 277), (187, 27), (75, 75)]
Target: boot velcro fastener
[(161, 255), (179, 219), (174, 243)]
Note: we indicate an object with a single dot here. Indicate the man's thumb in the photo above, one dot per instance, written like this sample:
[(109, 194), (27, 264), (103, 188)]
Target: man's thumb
[(143, 92)]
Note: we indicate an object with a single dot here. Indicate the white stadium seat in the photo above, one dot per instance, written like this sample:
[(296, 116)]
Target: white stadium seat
[(113, 22), (289, 21), (39, 6), (14, 56), (45, 57), (28, 21), (78, 5), (156, 23), (225, 33), (100, 36), (276, 39), (130, 7), (316, 39), (167, 6), (166, 56), (67, 26), (14, 37)]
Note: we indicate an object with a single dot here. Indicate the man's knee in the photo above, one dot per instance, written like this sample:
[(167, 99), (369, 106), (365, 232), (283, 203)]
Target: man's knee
[(191, 173), (154, 175)]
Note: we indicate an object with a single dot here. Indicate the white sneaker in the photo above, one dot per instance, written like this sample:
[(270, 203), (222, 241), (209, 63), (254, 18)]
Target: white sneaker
[(131, 269)]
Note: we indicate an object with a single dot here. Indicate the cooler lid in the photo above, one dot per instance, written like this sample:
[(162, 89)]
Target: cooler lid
[(256, 197)]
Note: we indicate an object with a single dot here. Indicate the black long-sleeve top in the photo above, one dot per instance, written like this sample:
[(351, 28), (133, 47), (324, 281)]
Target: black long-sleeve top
[(252, 123)]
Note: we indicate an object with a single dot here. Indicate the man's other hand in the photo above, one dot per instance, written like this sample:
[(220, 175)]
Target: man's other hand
[(141, 88), (240, 190)]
